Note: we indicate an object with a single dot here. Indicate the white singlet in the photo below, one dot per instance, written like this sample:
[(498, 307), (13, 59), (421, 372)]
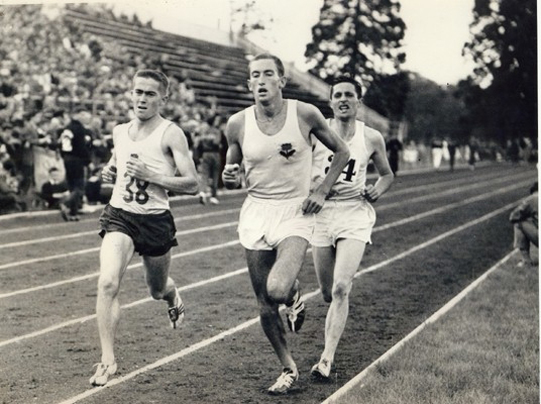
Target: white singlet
[(351, 182), (134, 195), (277, 166)]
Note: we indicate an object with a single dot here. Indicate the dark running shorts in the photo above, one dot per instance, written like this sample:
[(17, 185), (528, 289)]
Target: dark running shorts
[(152, 235)]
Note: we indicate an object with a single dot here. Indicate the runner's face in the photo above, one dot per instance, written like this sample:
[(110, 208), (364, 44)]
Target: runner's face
[(265, 83), (147, 98), (344, 101)]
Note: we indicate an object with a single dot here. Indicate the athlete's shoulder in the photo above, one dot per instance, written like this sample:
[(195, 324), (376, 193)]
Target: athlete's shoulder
[(120, 128), (372, 134), (238, 117), (305, 109), (235, 124)]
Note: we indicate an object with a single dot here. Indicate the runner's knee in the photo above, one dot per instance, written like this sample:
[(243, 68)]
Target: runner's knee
[(341, 290), (277, 292), (108, 285)]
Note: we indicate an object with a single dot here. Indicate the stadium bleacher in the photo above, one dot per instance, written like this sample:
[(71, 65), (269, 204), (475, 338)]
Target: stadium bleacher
[(214, 70)]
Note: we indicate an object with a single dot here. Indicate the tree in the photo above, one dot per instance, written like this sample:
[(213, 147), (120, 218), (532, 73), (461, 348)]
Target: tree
[(502, 94), (434, 110), (361, 37), (249, 17), (387, 95)]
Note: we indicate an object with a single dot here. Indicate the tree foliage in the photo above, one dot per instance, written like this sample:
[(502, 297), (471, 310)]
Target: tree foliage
[(432, 110), (502, 94), (387, 95), (359, 37), (249, 17)]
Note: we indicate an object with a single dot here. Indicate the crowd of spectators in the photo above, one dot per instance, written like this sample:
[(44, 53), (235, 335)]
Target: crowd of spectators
[(48, 67)]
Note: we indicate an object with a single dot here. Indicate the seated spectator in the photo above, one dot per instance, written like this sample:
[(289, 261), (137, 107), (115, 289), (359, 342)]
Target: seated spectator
[(10, 202), (96, 191), (526, 227), (55, 190)]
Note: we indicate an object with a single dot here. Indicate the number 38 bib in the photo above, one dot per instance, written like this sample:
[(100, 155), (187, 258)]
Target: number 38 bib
[(132, 194)]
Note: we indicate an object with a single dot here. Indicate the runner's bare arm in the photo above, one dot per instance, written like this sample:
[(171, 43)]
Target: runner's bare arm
[(379, 157), (317, 126), (233, 133)]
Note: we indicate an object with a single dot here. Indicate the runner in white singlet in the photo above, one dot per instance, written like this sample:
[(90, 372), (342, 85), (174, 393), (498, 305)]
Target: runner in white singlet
[(148, 153), (272, 139), (344, 225)]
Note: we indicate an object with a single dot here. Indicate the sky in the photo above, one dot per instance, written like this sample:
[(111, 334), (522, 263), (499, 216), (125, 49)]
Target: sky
[(436, 29)]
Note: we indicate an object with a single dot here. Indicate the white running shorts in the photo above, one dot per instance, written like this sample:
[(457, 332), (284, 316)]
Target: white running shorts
[(344, 219), (263, 224)]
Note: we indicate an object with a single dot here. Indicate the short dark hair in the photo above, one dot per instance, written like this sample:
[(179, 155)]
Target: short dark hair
[(347, 79), (154, 75), (277, 61)]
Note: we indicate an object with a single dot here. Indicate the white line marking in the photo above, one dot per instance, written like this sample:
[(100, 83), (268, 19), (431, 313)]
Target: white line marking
[(89, 250), (60, 256), (96, 274), (376, 229), (242, 326), (81, 320), (211, 280), (164, 361), (227, 211), (95, 232), (334, 398)]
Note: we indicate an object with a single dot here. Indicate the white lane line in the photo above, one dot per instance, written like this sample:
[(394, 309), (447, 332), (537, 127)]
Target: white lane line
[(95, 249), (452, 191), (242, 326), (84, 319), (95, 232), (334, 398), (376, 229), (96, 274), (60, 256), (227, 211)]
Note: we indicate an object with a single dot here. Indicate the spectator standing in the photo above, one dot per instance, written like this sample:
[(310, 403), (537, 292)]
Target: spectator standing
[(451, 147), (394, 149), (75, 151), (437, 152), (411, 155), (209, 144), (474, 151)]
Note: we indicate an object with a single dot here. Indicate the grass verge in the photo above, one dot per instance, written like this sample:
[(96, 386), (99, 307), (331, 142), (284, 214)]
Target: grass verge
[(485, 350)]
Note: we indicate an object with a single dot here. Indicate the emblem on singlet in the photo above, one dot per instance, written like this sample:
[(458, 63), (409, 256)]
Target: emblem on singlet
[(287, 150)]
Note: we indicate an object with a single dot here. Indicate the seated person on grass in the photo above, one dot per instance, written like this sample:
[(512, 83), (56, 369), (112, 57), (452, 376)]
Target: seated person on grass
[(526, 227)]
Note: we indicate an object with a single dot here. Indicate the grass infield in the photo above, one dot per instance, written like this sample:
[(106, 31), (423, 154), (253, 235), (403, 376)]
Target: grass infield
[(485, 350)]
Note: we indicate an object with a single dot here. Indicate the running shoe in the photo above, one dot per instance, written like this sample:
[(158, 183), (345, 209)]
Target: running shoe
[(214, 201), (295, 313), (176, 312), (322, 369), (202, 198), (284, 382), (102, 374), (64, 212)]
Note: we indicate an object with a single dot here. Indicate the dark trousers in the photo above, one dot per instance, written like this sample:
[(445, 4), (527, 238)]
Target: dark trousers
[(75, 177)]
